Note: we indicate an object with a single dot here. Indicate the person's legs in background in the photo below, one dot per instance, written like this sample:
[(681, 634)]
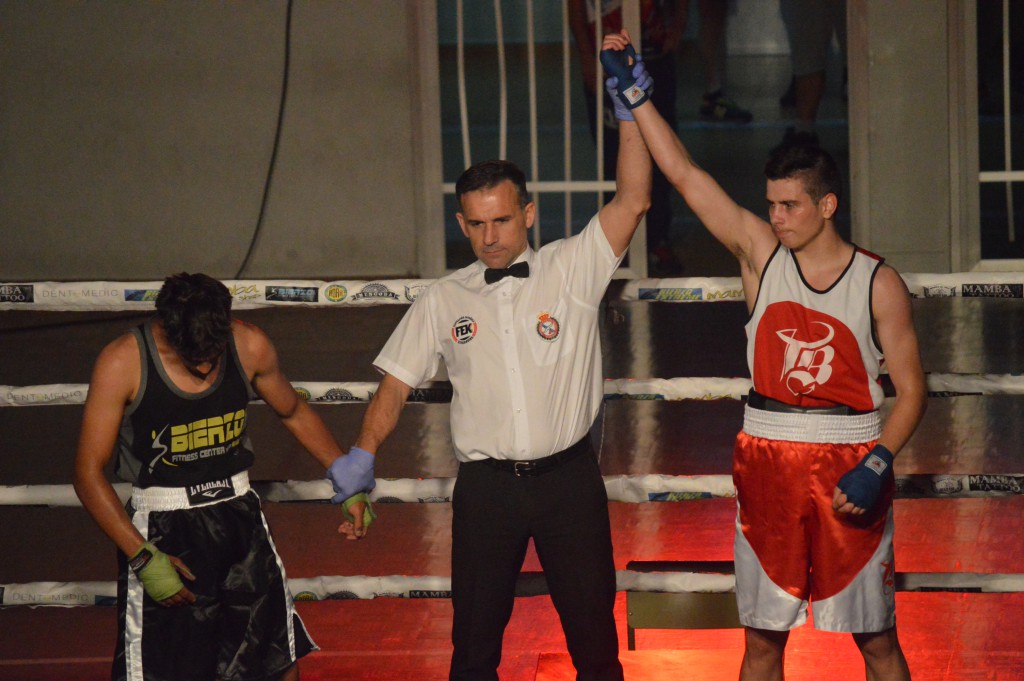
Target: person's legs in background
[(715, 106), (661, 259), (810, 25)]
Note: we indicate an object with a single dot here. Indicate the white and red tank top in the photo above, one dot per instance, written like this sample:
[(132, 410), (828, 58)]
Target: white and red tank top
[(815, 348)]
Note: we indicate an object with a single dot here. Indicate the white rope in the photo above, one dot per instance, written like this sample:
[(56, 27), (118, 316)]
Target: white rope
[(69, 594), (682, 388), (105, 296), (250, 293), (624, 488), (620, 488)]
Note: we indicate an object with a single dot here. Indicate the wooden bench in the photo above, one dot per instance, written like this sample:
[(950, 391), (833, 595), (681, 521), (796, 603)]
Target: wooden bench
[(691, 610), (663, 610)]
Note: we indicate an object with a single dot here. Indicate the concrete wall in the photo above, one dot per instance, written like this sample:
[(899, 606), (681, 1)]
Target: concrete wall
[(904, 141), (136, 139)]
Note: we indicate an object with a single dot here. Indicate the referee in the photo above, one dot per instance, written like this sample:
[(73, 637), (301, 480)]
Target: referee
[(518, 334)]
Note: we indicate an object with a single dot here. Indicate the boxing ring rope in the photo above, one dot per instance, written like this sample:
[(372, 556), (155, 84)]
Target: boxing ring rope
[(249, 294), (340, 587), (670, 389), (643, 488), (620, 488)]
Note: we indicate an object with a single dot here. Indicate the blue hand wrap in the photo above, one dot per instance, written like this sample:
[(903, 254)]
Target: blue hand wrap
[(644, 81), (862, 484), (629, 88), (351, 474)]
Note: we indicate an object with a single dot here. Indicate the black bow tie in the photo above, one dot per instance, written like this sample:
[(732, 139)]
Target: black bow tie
[(520, 269)]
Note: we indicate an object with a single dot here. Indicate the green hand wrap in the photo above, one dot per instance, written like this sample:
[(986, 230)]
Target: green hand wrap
[(368, 515), (156, 572)]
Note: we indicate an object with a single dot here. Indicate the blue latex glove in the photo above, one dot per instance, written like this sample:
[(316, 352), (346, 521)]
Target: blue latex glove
[(622, 65), (862, 484), (351, 474), (644, 81)]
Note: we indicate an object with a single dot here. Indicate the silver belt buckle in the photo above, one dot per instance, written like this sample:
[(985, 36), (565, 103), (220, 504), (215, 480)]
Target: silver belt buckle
[(521, 468)]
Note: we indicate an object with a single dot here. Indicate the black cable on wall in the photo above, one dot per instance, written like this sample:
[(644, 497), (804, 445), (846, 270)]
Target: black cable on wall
[(277, 141)]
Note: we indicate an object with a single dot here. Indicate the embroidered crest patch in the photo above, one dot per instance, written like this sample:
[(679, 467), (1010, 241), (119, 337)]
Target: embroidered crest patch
[(547, 327), (463, 330)]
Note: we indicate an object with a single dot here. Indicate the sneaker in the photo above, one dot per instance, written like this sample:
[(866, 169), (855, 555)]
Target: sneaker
[(715, 107), (794, 137)]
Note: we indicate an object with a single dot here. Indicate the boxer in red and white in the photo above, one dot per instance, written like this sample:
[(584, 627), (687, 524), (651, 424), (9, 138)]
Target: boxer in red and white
[(813, 463)]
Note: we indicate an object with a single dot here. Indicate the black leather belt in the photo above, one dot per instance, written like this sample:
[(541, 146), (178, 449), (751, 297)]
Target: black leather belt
[(543, 465), (759, 401)]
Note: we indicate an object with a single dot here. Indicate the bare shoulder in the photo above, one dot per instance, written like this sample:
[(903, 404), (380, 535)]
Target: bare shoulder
[(889, 282), (117, 368), (889, 294), (253, 345), (247, 332), (120, 353)]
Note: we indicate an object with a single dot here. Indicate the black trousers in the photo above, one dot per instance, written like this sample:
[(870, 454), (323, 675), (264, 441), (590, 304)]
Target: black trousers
[(565, 511)]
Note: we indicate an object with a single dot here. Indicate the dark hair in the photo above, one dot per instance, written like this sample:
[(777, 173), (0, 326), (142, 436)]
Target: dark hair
[(195, 310), (489, 174), (808, 163)]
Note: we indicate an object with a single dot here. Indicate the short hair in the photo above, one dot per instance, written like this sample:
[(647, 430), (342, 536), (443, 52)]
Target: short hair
[(195, 310), (808, 163), (489, 174)]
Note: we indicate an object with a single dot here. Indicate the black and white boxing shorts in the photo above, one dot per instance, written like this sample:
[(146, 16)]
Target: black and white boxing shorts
[(243, 624)]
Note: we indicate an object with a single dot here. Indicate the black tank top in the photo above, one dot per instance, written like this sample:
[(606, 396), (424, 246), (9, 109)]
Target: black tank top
[(172, 438)]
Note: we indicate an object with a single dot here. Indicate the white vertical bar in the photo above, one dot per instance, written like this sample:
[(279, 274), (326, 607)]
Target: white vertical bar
[(502, 83), (1007, 150), (631, 21), (531, 65), (566, 115), (599, 93), (461, 59)]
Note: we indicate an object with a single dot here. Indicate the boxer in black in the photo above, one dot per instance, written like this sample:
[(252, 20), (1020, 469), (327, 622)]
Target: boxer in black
[(170, 399)]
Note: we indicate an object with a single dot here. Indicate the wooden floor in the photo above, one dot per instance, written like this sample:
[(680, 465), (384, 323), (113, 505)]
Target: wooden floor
[(946, 636)]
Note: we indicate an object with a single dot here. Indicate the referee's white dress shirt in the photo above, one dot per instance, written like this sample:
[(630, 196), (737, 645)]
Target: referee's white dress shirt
[(523, 355)]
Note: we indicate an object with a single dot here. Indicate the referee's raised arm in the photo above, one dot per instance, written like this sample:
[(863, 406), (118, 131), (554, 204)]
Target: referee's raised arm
[(621, 216)]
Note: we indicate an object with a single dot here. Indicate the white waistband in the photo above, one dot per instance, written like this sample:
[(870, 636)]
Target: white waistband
[(812, 427), (202, 494)]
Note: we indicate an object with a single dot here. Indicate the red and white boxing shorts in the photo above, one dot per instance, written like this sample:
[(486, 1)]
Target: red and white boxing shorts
[(791, 548)]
